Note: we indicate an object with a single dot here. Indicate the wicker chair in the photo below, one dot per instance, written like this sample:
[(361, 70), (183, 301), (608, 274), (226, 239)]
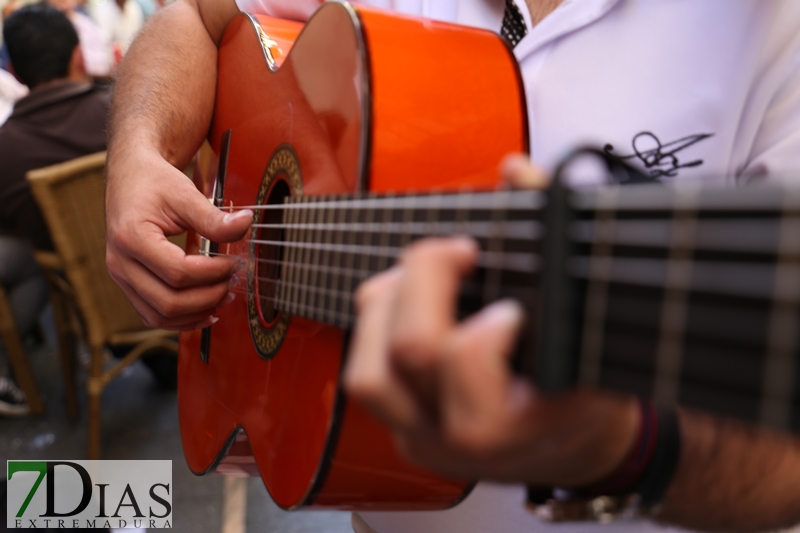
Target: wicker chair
[(71, 197)]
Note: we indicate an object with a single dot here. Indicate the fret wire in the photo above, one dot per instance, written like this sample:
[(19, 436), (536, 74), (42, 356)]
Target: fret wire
[(295, 258), (349, 260), (363, 261), (386, 224), (462, 216), (314, 255), (307, 254), (432, 216), (326, 275), (495, 245), (408, 218), (675, 306), (596, 307), (775, 408), (288, 253), (295, 300), (341, 215), (283, 254)]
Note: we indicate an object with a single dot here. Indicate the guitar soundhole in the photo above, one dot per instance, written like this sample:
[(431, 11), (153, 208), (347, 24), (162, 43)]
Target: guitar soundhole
[(270, 256)]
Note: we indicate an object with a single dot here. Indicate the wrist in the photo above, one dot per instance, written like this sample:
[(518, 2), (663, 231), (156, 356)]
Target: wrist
[(636, 487), (614, 427), (627, 472)]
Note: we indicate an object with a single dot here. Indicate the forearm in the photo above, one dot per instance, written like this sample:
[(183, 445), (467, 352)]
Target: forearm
[(164, 94), (732, 477)]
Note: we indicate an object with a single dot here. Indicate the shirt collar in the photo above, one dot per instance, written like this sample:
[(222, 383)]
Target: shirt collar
[(569, 16), (50, 94)]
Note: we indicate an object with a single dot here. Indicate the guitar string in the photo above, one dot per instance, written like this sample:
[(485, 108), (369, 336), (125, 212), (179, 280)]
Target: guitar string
[(313, 310), (520, 200), (522, 262), (512, 261), (467, 289), (514, 229)]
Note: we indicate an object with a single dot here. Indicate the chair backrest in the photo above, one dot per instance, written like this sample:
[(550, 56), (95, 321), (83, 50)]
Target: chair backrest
[(71, 198)]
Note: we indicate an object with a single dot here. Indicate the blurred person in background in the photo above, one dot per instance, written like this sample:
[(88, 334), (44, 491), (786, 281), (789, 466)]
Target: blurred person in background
[(149, 7), (62, 118), (8, 8), (120, 21), (96, 48), (10, 91)]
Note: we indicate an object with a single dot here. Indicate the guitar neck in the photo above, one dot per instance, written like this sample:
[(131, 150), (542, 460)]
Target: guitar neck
[(686, 295)]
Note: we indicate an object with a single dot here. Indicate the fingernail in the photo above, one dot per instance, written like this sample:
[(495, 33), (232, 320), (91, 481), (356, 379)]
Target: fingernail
[(233, 281), (520, 395), (232, 217), (231, 296), (238, 266), (465, 245), (504, 312), (210, 321), (513, 162)]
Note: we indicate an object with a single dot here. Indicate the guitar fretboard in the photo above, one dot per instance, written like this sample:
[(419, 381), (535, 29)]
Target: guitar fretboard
[(322, 248), (691, 295), (688, 295)]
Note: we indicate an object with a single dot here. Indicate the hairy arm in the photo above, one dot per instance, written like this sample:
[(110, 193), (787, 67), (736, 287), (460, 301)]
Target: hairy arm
[(161, 112), (733, 477)]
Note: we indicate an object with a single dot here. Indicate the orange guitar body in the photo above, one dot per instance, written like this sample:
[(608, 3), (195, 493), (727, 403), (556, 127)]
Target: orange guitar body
[(367, 101)]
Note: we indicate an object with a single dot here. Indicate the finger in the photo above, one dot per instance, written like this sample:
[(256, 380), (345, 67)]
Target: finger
[(517, 171), (152, 318), (194, 211), (481, 400), (425, 307), (368, 375), (170, 302), (146, 244)]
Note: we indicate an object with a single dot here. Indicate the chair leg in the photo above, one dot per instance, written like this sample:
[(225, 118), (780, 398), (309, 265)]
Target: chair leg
[(95, 387), (22, 371), (17, 357), (66, 345), (95, 435)]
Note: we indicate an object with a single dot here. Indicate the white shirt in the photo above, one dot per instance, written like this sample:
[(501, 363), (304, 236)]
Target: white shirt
[(10, 91), (119, 26), (686, 89), (95, 47)]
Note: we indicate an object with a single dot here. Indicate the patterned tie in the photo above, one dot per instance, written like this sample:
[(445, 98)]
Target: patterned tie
[(513, 24)]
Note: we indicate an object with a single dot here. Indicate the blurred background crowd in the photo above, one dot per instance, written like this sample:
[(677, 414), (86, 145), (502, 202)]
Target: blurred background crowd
[(105, 29)]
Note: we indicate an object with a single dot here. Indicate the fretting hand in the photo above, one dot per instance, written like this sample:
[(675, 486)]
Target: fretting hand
[(446, 389)]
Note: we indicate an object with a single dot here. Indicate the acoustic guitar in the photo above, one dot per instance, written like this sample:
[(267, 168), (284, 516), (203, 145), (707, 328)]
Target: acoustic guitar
[(362, 131)]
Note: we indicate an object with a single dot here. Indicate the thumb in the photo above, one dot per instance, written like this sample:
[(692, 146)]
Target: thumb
[(518, 171), (197, 213)]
